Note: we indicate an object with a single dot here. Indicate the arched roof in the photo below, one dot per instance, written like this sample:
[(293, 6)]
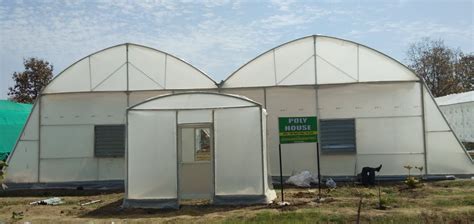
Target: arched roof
[(194, 100), (129, 67), (318, 60)]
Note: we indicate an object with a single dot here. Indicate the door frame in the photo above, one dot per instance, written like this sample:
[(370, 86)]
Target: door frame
[(179, 128)]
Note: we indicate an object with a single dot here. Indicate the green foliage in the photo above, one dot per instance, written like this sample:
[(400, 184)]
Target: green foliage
[(412, 182), (29, 83)]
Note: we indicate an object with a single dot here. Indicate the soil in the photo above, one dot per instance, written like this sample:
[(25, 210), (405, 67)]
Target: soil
[(430, 200)]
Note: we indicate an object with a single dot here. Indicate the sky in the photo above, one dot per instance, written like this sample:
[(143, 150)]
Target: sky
[(219, 36)]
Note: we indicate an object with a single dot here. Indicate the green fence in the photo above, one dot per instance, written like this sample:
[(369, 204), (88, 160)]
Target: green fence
[(12, 118)]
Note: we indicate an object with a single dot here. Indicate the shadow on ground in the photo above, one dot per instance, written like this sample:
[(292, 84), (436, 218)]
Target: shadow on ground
[(55, 192), (114, 210)]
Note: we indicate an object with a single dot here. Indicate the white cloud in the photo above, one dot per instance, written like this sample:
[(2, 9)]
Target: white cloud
[(214, 35), (283, 5)]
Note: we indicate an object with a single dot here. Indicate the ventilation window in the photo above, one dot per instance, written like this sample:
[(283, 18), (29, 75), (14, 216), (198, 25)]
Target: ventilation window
[(338, 136), (109, 141)]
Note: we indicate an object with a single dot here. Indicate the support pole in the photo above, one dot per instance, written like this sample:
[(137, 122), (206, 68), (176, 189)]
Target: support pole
[(319, 170), (281, 173)]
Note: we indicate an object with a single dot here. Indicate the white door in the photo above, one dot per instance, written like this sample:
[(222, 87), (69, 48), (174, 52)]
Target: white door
[(195, 152)]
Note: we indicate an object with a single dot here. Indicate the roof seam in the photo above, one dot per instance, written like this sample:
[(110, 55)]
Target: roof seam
[(337, 68), (112, 74), (142, 72), (294, 70)]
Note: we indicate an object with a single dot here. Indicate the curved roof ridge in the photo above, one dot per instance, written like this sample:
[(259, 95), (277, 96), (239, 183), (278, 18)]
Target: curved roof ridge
[(244, 98), (132, 44), (314, 36)]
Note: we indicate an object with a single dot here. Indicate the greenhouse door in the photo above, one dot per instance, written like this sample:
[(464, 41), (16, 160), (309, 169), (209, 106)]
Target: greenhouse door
[(195, 153)]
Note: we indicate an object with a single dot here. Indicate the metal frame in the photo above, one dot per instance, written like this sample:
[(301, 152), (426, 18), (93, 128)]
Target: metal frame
[(354, 152), (213, 165), (314, 37), (194, 92), (39, 137), (423, 129), (127, 44), (262, 150), (318, 123)]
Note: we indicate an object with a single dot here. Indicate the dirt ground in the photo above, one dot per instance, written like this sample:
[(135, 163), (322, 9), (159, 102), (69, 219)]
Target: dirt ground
[(434, 202)]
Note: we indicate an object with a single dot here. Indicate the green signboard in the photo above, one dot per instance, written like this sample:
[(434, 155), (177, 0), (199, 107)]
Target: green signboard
[(298, 129)]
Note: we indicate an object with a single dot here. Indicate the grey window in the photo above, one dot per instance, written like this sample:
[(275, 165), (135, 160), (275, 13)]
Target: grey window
[(109, 140), (338, 135)]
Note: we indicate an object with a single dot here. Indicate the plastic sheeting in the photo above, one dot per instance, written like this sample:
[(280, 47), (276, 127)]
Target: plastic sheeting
[(238, 135), (83, 108), (370, 100), (337, 61), (194, 101), (152, 155), (13, 117), (143, 68), (238, 131), (461, 118), (442, 143)]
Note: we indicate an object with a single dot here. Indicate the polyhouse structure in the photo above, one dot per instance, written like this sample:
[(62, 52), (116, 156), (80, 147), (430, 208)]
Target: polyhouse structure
[(76, 131), (371, 110), (192, 143), (459, 111)]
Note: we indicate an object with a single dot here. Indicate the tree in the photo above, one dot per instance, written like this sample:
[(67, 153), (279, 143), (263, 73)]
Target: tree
[(465, 71), (444, 70), (29, 83)]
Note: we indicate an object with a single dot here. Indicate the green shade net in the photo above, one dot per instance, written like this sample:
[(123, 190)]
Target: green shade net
[(12, 118)]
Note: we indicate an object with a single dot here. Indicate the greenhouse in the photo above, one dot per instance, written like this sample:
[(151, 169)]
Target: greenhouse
[(370, 110), (195, 144)]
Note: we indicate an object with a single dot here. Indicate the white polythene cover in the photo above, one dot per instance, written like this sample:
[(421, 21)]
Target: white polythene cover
[(295, 59), (259, 72), (389, 135), (68, 169), (23, 163), (146, 68), (433, 117), (238, 160), (108, 70), (194, 101), (74, 79), (374, 66), (152, 156), (194, 116), (336, 61), (31, 130), (180, 75), (445, 154), (67, 141)]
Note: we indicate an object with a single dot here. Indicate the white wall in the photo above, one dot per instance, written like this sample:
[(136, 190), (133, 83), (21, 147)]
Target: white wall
[(238, 152), (445, 154), (152, 166), (388, 125), (23, 162), (461, 118)]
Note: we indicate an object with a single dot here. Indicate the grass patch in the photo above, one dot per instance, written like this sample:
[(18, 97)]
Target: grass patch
[(289, 217), (458, 183), (450, 202)]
